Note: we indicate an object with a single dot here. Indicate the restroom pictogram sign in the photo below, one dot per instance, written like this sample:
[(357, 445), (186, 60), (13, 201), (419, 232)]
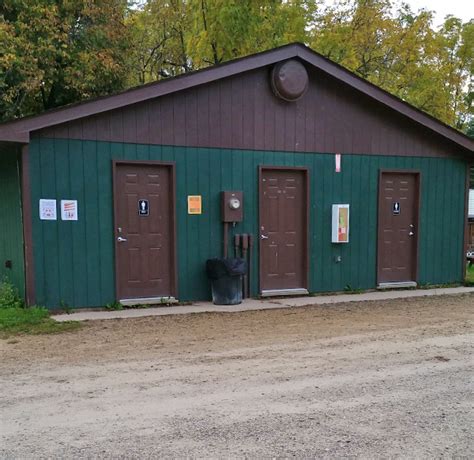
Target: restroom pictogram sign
[(143, 208), (396, 208)]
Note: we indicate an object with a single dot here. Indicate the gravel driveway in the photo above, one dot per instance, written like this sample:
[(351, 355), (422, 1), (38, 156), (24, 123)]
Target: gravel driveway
[(373, 379)]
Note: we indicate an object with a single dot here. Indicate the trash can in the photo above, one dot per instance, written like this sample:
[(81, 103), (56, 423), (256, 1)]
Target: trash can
[(226, 280)]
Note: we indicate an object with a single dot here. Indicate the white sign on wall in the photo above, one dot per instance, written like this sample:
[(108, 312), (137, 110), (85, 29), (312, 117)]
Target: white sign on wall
[(471, 203), (69, 209), (340, 223), (338, 162), (47, 209)]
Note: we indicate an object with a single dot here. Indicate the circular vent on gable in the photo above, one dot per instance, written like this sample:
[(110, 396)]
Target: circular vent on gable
[(289, 80)]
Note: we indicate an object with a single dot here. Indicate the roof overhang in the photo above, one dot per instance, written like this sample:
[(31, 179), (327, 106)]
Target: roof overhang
[(19, 130)]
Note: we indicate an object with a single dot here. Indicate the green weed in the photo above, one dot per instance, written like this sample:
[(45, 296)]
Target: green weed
[(65, 307), (350, 290), (470, 275), (114, 306), (9, 297)]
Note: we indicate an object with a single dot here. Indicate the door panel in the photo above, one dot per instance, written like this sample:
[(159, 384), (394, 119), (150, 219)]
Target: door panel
[(283, 229), (397, 227), (145, 256)]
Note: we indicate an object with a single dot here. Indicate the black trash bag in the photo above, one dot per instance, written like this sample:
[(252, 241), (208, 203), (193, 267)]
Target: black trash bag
[(220, 268)]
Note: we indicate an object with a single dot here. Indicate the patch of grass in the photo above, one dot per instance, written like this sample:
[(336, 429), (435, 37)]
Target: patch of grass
[(470, 275), (17, 319), (114, 306), (34, 320)]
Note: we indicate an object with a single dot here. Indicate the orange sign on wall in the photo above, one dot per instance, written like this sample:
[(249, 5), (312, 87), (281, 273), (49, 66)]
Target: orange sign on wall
[(194, 204)]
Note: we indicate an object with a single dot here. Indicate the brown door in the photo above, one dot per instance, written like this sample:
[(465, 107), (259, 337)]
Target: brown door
[(398, 227), (144, 232), (283, 229)]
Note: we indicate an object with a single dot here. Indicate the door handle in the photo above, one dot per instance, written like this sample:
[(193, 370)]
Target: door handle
[(263, 237), (121, 240), (411, 234)]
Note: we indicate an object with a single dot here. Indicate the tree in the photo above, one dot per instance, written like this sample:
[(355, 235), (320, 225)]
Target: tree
[(177, 36), (54, 52), (227, 29), (456, 64), (402, 53), (159, 35)]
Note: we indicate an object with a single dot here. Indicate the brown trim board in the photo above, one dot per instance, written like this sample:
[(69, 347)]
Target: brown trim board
[(172, 166), (30, 293), (466, 222)]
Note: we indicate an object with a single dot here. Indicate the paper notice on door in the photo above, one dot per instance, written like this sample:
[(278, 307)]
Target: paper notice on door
[(47, 209), (69, 210)]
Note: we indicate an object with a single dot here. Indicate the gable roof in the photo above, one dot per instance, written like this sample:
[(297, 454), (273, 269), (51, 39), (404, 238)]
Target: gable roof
[(19, 130)]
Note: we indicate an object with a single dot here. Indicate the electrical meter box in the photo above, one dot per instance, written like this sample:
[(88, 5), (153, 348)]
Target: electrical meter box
[(232, 206), (340, 223)]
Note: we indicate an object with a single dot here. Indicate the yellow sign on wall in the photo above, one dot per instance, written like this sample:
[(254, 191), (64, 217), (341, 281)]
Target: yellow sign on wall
[(194, 204)]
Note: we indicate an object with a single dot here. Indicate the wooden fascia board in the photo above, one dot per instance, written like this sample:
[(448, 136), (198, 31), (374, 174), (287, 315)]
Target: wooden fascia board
[(10, 135)]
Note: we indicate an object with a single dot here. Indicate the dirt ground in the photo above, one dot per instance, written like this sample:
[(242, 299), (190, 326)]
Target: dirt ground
[(374, 379)]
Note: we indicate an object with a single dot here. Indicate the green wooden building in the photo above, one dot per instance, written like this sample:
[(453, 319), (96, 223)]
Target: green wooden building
[(339, 183)]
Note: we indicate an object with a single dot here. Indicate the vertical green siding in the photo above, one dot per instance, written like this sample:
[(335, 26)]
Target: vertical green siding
[(74, 261), (11, 228)]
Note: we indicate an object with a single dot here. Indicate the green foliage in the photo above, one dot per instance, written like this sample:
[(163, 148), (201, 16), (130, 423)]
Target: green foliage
[(65, 307), (452, 284), (227, 29), (470, 128), (470, 275), (114, 306), (34, 320), (177, 36), (350, 290), (55, 52), (404, 54), (9, 297), (16, 319)]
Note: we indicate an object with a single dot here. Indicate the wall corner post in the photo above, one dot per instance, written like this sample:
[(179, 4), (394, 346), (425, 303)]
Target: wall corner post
[(30, 294)]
